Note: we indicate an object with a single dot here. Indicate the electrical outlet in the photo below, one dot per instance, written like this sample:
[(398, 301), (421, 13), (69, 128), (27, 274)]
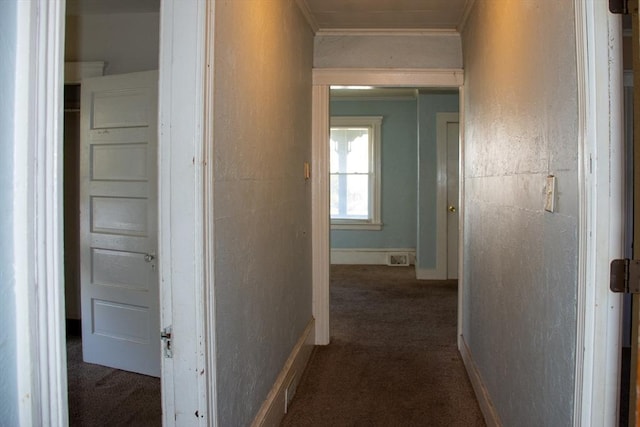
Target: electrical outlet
[(550, 194)]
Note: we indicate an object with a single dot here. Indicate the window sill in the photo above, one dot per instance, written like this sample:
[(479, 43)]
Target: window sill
[(365, 226)]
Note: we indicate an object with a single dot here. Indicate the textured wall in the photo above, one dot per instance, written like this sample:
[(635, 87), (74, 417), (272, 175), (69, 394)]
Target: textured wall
[(8, 345), (429, 105), (262, 137), (520, 261), (411, 51), (126, 42), (399, 174)]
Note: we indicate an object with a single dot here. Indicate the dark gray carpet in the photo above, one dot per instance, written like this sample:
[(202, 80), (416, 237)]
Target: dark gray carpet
[(392, 360), (101, 396)]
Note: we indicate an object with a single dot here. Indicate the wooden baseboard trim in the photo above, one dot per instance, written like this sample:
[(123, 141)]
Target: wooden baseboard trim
[(482, 394), (369, 256), (273, 409)]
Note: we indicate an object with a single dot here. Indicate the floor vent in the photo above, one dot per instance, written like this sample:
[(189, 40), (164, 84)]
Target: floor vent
[(398, 259)]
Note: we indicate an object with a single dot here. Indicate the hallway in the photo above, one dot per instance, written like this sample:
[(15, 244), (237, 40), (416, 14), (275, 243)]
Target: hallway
[(392, 359)]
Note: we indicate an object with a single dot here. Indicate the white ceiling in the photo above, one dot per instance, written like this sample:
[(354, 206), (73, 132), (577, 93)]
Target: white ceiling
[(387, 14)]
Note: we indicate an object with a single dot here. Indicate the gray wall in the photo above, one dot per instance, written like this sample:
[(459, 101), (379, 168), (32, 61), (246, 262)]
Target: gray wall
[(430, 103), (521, 262), (127, 42), (262, 137), (399, 174), (8, 342), (380, 51)]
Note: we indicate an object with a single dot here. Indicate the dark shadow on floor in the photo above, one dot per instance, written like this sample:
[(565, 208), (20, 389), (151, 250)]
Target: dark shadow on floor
[(101, 396)]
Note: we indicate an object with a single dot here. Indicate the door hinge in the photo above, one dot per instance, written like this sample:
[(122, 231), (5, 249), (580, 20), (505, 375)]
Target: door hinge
[(165, 336), (619, 6), (625, 276)]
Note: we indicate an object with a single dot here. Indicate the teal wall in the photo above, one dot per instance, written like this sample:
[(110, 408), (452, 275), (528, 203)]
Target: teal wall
[(8, 338), (429, 104), (399, 174)]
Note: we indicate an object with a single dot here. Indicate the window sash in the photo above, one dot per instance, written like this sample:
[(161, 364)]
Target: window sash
[(342, 214)]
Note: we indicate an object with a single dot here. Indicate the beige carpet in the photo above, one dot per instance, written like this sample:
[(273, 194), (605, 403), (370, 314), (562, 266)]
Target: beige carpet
[(101, 396), (392, 360)]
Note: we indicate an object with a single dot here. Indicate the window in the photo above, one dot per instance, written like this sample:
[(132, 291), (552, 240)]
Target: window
[(355, 172)]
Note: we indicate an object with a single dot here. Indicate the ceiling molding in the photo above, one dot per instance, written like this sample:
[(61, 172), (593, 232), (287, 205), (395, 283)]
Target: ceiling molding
[(374, 94), (390, 77), (387, 32), (372, 98), (465, 15), (304, 8)]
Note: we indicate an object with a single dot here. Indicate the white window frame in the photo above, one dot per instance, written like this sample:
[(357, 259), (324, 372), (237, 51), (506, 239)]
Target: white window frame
[(374, 222)]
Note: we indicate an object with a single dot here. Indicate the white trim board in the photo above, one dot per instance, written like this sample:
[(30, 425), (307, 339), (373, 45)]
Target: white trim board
[(601, 210), (367, 32), (188, 379), (273, 408), (38, 215), (489, 412), (397, 77), (368, 256), (320, 214)]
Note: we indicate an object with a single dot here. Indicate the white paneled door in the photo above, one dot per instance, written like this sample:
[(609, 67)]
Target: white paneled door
[(118, 222)]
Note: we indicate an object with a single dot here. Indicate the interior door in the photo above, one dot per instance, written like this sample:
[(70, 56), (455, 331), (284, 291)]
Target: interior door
[(118, 222), (453, 149)]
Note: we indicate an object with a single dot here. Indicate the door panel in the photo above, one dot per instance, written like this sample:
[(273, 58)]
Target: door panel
[(118, 222), (121, 162)]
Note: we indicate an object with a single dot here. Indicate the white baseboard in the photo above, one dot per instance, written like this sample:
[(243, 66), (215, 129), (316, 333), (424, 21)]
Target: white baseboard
[(491, 417), (272, 410), (368, 256), (430, 274)]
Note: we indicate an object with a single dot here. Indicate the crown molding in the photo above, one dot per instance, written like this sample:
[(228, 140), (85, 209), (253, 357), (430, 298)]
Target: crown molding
[(306, 12), (390, 77), (387, 31), (465, 15)]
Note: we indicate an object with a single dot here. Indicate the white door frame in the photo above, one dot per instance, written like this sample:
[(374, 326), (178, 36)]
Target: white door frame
[(38, 213), (601, 203), (185, 299), (322, 80)]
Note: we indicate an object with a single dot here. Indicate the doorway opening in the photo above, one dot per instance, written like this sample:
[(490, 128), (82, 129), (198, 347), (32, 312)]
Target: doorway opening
[(407, 182), (323, 80), (97, 392), (412, 171)]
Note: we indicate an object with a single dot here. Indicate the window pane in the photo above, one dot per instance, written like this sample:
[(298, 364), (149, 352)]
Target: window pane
[(350, 196), (349, 150)]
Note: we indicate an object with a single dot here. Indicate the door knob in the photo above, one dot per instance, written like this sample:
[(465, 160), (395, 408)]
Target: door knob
[(149, 257), (452, 208)]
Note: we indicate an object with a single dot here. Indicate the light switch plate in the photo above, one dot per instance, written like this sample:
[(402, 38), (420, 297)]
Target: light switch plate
[(550, 194)]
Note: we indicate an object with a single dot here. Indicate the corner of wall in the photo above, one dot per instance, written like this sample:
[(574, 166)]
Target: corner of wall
[(275, 405)]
